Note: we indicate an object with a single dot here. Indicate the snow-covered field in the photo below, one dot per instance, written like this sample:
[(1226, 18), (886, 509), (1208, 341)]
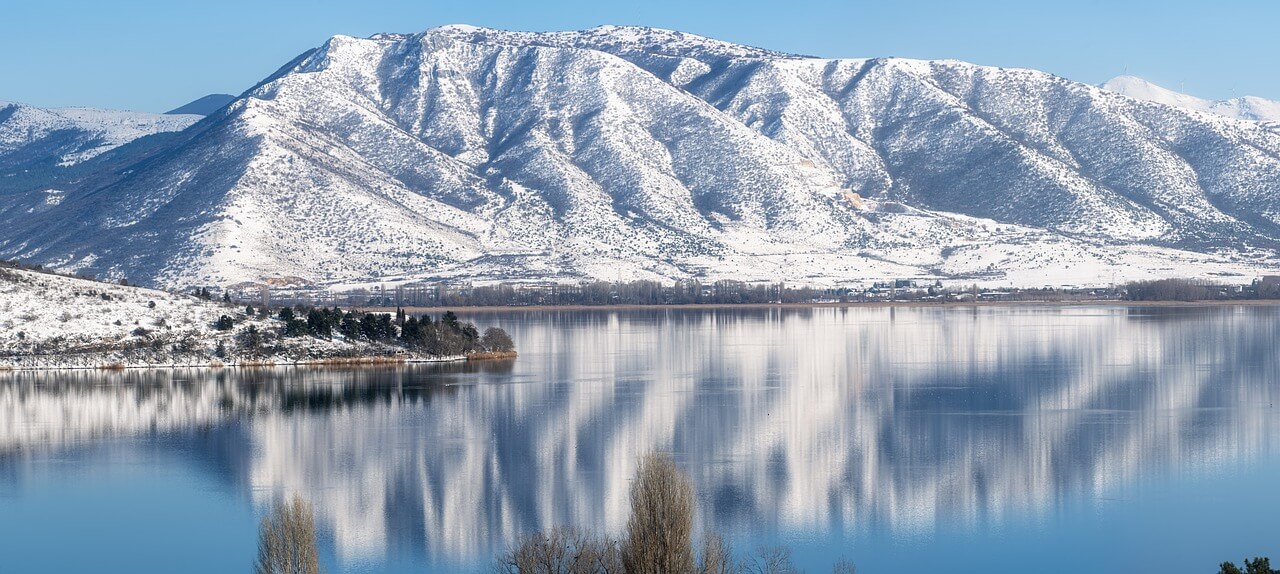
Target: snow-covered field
[(52, 321)]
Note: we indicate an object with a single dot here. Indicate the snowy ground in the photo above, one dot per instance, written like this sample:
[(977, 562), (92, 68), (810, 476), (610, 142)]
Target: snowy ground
[(52, 321)]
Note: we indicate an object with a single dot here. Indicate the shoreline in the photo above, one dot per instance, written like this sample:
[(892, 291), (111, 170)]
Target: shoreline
[(370, 361), (824, 305)]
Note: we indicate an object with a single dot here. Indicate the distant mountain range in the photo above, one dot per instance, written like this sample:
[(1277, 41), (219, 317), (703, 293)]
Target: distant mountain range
[(1245, 108), (631, 153), (67, 136), (204, 106)]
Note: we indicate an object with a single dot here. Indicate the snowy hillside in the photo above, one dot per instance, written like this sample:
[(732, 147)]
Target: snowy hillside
[(67, 136), (1245, 108), (54, 321), (633, 153)]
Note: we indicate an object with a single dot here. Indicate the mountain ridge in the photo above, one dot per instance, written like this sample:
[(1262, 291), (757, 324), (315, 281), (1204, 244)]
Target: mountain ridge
[(67, 136), (634, 153), (1251, 108)]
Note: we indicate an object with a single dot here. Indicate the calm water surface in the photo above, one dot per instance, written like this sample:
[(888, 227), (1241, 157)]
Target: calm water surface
[(908, 440)]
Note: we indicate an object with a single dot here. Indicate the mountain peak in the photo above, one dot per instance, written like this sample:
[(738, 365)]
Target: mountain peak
[(1244, 108), (615, 39)]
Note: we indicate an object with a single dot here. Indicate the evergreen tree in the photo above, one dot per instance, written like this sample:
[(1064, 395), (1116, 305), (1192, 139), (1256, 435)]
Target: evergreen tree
[(411, 333), (450, 320), (318, 324), (224, 323), (350, 327), (1258, 566), (293, 326), (377, 327), (369, 327), (387, 327), (470, 337), (1254, 566)]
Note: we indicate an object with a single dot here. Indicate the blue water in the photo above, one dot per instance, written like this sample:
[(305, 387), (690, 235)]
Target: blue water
[(907, 440)]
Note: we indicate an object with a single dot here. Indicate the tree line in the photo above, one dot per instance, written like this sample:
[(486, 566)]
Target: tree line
[(659, 538), (1258, 565), (1200, 290), (447, 336), (597, 293)]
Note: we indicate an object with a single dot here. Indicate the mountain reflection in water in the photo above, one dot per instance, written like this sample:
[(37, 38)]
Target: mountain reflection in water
[(819, 420)]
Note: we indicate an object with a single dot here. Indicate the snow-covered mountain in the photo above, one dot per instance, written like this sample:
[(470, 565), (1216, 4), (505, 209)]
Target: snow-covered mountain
[(66, 136), (1250, 108), (623, 153)]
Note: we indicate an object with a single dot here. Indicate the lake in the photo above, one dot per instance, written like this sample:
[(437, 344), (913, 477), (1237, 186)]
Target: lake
[(1059, 439)]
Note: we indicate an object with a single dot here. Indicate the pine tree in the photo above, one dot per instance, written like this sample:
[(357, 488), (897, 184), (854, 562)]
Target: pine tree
[(451, 320), (1258, 566), (318, 324), (350, 327), (411, 332), (293, 326)]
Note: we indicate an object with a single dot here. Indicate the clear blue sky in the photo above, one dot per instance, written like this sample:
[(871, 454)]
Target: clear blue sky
[(152, 55)]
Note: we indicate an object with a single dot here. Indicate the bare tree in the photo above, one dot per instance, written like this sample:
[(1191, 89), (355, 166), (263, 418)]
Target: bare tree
[(561, 551), (497, 340), (844, 566), (772, 560), (717, 556), (287, 540), (659, 538)]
